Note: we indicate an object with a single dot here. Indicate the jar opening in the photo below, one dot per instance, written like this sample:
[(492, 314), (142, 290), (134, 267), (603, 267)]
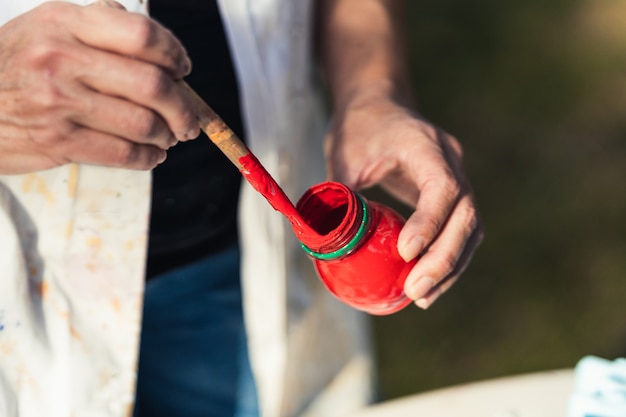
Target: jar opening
[(333, 211)]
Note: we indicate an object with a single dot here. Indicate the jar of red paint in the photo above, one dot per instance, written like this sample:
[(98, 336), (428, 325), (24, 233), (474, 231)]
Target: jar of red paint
[(355, 253)]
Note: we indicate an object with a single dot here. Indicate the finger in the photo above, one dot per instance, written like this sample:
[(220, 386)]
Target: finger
[(439, 193), (98, 148), (144, 84), (130, 34), (122, 118), (427, 300), (444, 254)]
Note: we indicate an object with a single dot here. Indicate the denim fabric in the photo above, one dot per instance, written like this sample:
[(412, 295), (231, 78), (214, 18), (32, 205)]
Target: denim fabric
[(193, 358)]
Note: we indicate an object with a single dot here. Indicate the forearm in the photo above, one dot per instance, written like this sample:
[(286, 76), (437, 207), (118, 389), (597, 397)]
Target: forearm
[(361, 47), (375, 139)]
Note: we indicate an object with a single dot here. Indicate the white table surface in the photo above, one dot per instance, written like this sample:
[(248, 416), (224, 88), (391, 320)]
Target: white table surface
[(542, 394)]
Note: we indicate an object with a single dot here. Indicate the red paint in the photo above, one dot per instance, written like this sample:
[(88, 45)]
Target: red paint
[(370, 277), (262, 181)]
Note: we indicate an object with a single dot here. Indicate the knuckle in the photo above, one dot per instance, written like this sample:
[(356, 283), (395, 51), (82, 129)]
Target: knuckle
[(188, 119), (49, 137), (450, 185), (143, 124), (48, 97), (52, 11), (471, 217), (124, 154), (447, 264), (468, 213), (148, 157), (49, 61), (176, 58), (134, 156), (111, 3), (44, 52), (144, 32), (473, 225), (155, 83), (443, 181), (60, 156), (455, 145), (432, 225)]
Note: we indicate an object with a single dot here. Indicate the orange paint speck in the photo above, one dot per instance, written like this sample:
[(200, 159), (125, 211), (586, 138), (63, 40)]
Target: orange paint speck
[(45, 289), (69, 228), (74, 333), (42, 188), (27, 184), (42, 289), (5, 349), (34, 183), (72, 181), (115, 303), (94, 242)]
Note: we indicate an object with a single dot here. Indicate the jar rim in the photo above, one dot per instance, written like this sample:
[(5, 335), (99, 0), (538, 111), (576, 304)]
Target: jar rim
[(348, 247)]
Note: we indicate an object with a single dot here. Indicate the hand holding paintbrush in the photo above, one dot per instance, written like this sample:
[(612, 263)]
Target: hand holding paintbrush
[(216, 129)]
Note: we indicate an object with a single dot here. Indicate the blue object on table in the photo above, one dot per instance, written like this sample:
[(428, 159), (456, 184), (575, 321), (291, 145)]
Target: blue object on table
[(600, 388)]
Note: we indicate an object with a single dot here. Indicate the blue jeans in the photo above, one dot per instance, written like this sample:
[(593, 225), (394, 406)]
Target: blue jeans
[(193, 359)]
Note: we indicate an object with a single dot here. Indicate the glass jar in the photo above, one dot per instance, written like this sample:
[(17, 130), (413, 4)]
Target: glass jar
[(355, 254)]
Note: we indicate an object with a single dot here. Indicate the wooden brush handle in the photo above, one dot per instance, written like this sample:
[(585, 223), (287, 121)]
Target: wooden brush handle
[(215, 128)]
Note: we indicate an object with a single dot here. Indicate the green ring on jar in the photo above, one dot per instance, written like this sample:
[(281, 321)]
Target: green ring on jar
[(349, 247)]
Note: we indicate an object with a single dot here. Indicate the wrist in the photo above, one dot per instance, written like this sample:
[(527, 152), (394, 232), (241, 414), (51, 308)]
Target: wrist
[(376, 92)]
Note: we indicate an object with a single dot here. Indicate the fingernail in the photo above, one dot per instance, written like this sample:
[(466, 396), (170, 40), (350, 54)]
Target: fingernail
[(162, 158), (188, 135), (426, 302), (412, 248), (422, 303), (193, 133), (420, 288)]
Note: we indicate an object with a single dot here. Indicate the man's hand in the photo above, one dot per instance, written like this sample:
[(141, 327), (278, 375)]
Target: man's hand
[(376, 138), (90, 84), (376, 141)]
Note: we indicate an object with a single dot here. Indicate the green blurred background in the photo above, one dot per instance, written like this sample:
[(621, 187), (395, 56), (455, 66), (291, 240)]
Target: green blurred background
[(536, 92)]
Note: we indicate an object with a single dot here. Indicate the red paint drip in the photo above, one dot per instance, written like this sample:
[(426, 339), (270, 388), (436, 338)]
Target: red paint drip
[(262, 181)]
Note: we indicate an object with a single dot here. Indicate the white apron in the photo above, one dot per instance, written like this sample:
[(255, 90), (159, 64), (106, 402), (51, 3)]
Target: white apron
[(73, 246)]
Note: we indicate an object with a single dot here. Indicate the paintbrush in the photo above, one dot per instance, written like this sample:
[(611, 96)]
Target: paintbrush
[(216, 129), (253, 171)]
